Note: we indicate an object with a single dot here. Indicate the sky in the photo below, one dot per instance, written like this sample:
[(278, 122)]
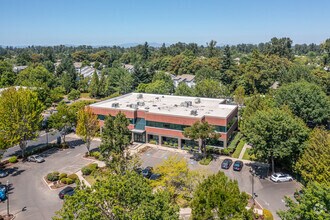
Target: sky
[(110, 22)]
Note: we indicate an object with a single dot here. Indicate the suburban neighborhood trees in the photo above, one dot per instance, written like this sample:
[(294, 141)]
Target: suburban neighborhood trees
[(126, 196), (218, 197), (313, 164), (21, 117), (307, 101), (115, 139), (275, 134), (87, 126), (312, 203), (201, 131)]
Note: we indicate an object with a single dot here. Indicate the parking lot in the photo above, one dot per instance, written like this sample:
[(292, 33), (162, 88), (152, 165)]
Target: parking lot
[(270, 194), (28, 190)]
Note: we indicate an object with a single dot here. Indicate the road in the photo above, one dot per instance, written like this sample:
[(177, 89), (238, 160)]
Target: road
[(42, 139), (30, 191)]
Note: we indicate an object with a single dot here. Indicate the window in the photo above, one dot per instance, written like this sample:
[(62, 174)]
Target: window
[(101, 117), (166, 125), (220, 128)]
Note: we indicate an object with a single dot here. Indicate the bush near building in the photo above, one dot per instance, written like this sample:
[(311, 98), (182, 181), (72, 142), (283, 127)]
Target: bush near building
[(87, 170), (13, 159), (238, 149)]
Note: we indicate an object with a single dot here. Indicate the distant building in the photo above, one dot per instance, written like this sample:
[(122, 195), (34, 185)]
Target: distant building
[(186, 78), (18, 69), (77, 66), (162, 118), (88, 71), (129, 67)]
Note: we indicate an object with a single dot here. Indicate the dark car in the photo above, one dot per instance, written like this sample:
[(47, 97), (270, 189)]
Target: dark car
[(238, 165), (3, 173), (155, 176), (147, 172), (66, 191), (226, 164)]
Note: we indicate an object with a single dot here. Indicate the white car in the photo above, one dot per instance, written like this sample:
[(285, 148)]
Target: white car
[(281, 177), (36, 158)]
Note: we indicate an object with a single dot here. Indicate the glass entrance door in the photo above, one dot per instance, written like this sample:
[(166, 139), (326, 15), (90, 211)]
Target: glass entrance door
[(140, 137)]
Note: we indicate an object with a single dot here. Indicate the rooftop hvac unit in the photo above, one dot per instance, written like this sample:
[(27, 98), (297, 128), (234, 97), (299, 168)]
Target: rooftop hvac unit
[(197, 100), (133, 106), (115, 105), (140, 103), (189, 103), (139, 96), (193, 112), (184, 104)]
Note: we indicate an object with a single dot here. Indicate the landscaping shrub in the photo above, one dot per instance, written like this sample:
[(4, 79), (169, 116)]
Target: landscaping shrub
[(206, 161), (53, 176), (96, 154), (87, 170), (233, 144), (225, 152), (63, 175), (67, 181), (268, 215), (13, 159), (238, 149), (152, 142), (73, 176)]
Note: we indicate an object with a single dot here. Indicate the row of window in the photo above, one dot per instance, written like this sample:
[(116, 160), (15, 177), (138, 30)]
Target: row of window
[(141, 123)]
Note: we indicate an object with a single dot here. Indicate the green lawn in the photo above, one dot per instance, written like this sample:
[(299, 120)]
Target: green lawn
[(238, 149), (84, 95), (246, 155)]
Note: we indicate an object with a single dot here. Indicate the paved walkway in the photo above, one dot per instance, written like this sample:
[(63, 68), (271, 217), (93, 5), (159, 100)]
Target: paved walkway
[(80, 175), (246, 146)]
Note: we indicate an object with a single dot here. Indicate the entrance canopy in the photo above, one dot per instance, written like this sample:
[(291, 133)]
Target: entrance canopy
[(138, 131)]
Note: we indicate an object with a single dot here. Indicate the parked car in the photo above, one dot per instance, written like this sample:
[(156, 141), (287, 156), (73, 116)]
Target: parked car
[(66, 191), (147, 172), (3, 192), (155, 176), (281, 177), (226, 164), (3, 173), (36, 158), (238, 165)]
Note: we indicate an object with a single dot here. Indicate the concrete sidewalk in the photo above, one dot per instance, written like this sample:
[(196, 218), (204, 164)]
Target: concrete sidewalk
[(246, 146)]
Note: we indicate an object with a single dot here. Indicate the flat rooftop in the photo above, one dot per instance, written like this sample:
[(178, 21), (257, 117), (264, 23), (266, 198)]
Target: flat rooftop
[(169, 105)]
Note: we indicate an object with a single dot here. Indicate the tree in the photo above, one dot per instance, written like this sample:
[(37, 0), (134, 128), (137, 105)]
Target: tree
[(74, 94), (87, 126), (63, 120), (145, 51), (255, 103), (7, 76), (127, 196), (275, 134), (201, 131), (210, 88), (184, 90), (115, 139), (306, 100), (67, 72), (218, 197), (280, 47), (21, 117), (159, 87), (211, 47), (227, 61), (313, 203), (118, 80), (94, 86), (141, 75), (239, 95), (313, 164), (178, 179), (207, 73)]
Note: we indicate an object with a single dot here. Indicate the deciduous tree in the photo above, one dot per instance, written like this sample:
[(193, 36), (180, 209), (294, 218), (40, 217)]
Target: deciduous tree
[(201, 131), (218, 197), (313, 164), (87, 126), (275, 134), (21, 117)]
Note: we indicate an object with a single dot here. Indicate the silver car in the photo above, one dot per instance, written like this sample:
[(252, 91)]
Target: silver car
[(36, 158), (281, 177)]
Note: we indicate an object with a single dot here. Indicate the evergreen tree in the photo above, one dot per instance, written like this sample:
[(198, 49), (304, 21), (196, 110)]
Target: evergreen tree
[(94, 86), (145, 51)]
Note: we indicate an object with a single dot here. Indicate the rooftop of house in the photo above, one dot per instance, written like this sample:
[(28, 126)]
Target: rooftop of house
[(128, 66), (170, 105), (87, 71), (185, 77)]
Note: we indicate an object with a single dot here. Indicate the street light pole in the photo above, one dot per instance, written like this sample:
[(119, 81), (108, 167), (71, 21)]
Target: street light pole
[(7, 198)]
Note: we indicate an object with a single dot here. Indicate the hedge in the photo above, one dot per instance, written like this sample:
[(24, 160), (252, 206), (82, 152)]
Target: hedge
[(238, 149), (87, 170), (63, 175), (52, 176), (233, 144), (67, 181), (268, 215), (73, 176)]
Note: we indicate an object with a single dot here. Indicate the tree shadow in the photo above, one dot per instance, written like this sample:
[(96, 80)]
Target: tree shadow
[(261, 170), (75, 143), (14, 171)]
